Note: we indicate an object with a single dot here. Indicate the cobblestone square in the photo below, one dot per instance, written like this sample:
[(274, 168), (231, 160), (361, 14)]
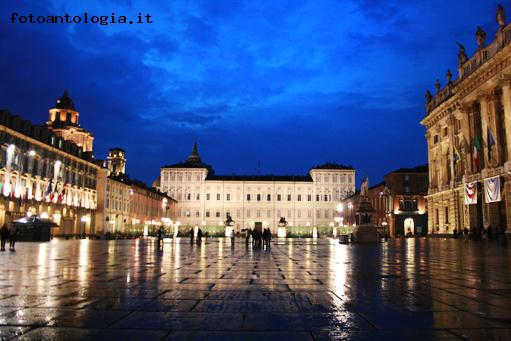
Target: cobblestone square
[(300, 289)]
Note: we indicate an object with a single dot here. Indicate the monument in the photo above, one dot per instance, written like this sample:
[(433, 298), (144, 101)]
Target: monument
[(365, 230)]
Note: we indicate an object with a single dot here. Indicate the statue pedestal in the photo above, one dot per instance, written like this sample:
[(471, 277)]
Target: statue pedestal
[(365, 231), (281, 232)]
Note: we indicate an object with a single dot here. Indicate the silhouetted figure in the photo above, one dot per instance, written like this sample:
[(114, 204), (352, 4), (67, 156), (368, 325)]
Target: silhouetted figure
[(199, 236), (160, 237), (247, 237), (231, 235), (4, 234), (14, 236), (191, 236), (489, 233), (455, 233)]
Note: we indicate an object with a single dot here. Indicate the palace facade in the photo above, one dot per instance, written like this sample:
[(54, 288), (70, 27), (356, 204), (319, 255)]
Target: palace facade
[(206, 199), (43, 174), (468, 133)]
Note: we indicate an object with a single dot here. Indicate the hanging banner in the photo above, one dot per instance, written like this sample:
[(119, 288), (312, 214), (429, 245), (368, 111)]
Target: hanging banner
[(492, 189), (471, 193)]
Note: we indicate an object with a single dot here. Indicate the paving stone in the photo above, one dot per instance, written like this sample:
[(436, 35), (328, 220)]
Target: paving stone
[(300, 289)]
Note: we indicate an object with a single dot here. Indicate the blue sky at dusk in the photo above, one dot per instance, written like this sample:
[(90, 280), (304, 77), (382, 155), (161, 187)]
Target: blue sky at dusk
[(288, 84)]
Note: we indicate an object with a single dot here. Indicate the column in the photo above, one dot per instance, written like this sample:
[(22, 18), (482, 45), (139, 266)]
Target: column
[(506, 102)]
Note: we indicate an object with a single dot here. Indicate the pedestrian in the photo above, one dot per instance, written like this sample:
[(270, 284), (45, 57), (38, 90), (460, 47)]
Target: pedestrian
[(247, 237), (160, 237), (489, 233), (455, 233), (191, 236), (232, 237), (13, 237), (4, 234), (199, 236)]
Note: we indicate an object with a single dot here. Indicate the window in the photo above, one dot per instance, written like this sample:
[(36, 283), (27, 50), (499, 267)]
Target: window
[(198, 196), (197, 214), (189, 196), (248, 213), (279, 197), (268, 197), (268, 214), (217, 214), (317, 197), (187, 214), (309, 197), (407, 189), (207, 214), (445, 131), (447, 215), (258, 214), (208, 196), (259, 198), (318, 214), (218, 196), (228, 197), (248, 197), (289, 197), (299, 198), (326, 197)]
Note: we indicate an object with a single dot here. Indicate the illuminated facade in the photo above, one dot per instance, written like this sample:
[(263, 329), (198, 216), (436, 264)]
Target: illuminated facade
[(468, 131), (126, 206), (204, 198), (43, 174), (399, 202), (63, 121)]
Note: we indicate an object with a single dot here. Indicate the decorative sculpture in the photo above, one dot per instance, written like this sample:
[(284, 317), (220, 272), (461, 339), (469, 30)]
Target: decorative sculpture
[(437, 85), (462, 54), (480, 37), (364, 188), (429, 97), (448, 75), (501, 16)]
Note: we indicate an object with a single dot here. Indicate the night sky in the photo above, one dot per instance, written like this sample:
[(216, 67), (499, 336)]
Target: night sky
[(283, 84)]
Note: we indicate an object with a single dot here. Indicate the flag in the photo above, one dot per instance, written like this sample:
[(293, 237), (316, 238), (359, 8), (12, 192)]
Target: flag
[(475, 153), (62, 193), (492, 189), (48, 189), (457, 159), (491, 142), (471, 193)]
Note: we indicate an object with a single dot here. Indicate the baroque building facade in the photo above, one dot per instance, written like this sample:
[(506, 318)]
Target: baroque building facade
[(43, 174), (206, 199), (468, 133)]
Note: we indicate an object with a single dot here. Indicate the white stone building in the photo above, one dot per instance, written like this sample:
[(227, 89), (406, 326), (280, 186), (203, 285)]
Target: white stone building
[(206, 199)]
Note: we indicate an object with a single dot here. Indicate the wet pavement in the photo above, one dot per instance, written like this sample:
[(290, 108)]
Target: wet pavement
[(298, 290)]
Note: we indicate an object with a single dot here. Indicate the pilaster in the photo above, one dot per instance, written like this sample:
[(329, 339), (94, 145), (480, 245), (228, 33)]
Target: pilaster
[(506, 102)]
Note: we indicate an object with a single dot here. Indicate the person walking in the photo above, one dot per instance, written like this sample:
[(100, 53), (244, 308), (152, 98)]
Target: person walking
[(14, 236), (247, 237), (231, 235), (191, 236), (199, 236), (4, 234), (160, 237)]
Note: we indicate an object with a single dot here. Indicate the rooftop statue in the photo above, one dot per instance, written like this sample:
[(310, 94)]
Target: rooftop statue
[(448, 75), (501, 16), (462, 54), (480, 37), (429, 97), (437, 85)]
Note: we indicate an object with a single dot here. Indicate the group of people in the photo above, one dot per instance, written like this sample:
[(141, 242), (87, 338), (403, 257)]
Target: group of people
[(259, 238), (8, 232), (489, 233), (192, 235)]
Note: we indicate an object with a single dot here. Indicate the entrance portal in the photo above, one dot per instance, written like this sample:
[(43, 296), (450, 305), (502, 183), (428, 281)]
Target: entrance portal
[(409, 226)]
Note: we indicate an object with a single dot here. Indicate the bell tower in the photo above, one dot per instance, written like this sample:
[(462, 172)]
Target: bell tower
[(116, 161)]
